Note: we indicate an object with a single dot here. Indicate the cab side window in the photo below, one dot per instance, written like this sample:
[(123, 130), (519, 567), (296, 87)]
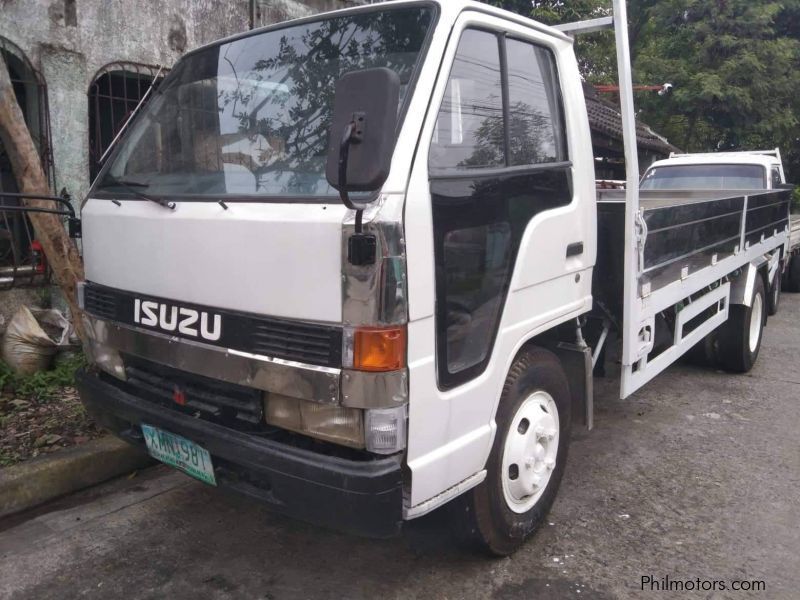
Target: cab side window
[(777, 181), (535, 122)]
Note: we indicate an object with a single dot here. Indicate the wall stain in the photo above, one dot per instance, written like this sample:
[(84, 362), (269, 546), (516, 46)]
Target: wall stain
[(177, 35)]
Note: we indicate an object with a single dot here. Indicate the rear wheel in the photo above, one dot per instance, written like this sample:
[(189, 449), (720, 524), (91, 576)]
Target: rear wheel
[(792, 277), (527, 460), (775, 296), (740, 337)]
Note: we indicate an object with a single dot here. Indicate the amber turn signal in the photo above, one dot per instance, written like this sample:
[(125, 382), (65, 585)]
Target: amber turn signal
[(379, 349)]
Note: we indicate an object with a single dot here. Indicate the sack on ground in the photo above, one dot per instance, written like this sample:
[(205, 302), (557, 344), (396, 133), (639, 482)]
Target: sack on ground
[(32, 338)]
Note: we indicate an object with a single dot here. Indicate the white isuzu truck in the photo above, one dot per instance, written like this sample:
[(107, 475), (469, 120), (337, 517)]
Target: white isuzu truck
[(355, 266)]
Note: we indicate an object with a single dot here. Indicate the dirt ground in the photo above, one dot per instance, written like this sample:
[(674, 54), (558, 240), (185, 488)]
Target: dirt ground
[(695, 478), (32, 426)]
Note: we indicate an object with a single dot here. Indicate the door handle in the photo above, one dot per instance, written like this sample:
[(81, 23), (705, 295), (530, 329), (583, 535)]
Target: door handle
[(575, 249)]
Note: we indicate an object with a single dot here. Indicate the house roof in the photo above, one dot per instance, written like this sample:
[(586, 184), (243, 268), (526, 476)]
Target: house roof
[(605, 118)]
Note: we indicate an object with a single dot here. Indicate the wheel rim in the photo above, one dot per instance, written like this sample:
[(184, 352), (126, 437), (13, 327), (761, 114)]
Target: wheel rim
[(756, 319), (531, 448)]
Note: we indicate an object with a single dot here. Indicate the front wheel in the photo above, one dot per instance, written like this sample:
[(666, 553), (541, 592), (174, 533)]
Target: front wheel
[(527, 460)]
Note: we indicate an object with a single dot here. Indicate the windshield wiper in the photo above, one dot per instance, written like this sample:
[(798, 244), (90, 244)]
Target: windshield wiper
[(131, 186)]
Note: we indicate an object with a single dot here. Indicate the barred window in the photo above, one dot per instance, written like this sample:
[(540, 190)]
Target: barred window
[(20, 256), (114, 94)]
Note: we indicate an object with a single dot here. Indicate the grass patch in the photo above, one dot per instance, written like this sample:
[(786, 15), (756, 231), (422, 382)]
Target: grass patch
[(44, 384)]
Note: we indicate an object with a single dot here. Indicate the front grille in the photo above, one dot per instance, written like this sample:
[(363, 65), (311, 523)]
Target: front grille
[(295, 341), (99, 302), (298, 341), (232, 405)]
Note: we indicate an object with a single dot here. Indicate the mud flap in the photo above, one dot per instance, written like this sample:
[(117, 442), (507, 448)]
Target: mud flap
[(577, 362)]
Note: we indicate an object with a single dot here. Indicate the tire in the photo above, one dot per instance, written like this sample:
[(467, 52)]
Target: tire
[(774, 302), (740, 337), (534, 416), (792, 277), (703, 354)]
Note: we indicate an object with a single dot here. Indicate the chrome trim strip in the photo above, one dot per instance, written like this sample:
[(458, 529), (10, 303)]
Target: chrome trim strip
[(362, 389), (298, 380)]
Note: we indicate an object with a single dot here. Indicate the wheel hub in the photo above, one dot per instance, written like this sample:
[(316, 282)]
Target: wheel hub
[(756, 319), (530, 451)]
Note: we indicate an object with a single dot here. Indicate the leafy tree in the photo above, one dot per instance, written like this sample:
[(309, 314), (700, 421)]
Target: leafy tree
[(734, 77)]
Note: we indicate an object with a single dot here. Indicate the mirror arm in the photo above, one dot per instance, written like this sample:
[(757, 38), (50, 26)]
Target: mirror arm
[(351, 135)]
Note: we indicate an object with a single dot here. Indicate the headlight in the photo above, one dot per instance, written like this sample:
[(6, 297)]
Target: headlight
[(336, 424), (99, 354), (107, 359), (382, 431)]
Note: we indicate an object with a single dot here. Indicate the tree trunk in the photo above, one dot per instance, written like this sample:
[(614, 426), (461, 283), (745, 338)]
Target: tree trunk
[(61, 253)]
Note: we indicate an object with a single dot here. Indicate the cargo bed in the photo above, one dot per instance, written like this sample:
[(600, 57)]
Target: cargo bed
[(685, 248)]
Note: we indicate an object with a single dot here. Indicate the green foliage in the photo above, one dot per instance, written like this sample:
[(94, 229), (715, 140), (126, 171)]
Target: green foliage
[(734, 77), (44, 384)]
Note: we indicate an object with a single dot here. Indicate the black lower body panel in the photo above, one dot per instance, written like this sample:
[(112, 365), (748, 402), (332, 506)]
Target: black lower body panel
[(357, 496)]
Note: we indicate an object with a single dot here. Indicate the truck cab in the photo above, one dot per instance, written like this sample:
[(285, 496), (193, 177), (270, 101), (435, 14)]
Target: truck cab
[(746, 170), (227, 313)]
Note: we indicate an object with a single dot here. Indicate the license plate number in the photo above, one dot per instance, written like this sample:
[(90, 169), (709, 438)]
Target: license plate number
[(180, 453)]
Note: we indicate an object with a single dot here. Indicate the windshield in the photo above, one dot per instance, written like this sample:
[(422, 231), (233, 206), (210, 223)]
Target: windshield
[(251, 117), (705, 177)]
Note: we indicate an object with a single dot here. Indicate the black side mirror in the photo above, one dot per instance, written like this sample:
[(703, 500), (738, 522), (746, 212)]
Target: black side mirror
[(362, 135)]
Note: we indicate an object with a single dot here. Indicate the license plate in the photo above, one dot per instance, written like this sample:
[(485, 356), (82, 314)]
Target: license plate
[(180, 453)]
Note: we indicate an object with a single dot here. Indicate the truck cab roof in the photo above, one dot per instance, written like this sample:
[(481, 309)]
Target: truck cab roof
[(721, 158), (448, 10)]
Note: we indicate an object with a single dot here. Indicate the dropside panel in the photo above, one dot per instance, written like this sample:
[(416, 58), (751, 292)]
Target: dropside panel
[(684, 250)]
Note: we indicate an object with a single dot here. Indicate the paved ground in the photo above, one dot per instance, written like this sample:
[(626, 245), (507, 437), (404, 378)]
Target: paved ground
[(694, 477)]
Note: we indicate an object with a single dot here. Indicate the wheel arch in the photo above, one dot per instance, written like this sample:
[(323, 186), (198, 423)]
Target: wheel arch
[(575, 356), (743, 282)]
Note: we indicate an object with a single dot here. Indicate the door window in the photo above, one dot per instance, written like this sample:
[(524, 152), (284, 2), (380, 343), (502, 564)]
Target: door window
[(469, 131)]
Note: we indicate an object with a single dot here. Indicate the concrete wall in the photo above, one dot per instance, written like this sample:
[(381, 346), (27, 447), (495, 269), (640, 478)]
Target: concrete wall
[(67, 41)]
